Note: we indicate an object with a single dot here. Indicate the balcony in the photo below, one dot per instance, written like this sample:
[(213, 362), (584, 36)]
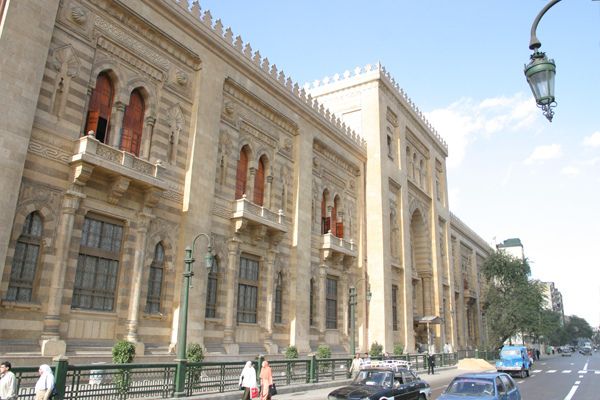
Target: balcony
[(123, 169), (258, 220), (332, 245)]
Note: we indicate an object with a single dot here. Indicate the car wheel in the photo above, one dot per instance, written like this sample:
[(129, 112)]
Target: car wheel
[(523, 374)]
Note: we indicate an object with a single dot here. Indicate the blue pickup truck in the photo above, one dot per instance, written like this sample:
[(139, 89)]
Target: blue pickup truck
[(514, 360)]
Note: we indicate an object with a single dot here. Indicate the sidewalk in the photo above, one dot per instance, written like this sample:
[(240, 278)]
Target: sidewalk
[(316, 391)]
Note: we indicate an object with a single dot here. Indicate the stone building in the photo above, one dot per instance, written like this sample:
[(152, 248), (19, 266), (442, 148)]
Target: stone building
[(136, 125)]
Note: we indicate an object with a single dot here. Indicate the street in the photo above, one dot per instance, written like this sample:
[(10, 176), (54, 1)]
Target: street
[(552, 378), (563, 378)]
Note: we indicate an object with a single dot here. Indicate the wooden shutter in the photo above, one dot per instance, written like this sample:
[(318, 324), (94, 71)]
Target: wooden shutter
[(241, 174), (259, 183), (100, 106), (133, 124), (334, 218), (324, 219), (339, 230)]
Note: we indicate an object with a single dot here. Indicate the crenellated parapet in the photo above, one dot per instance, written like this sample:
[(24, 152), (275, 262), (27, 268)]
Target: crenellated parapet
[(270, 70), (384, 75), (459, 224)]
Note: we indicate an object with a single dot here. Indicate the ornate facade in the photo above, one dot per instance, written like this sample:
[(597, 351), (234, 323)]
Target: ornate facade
[(135, 125)]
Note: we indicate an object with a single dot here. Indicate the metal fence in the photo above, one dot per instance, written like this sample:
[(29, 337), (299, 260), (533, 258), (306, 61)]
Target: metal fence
[(133, 381)]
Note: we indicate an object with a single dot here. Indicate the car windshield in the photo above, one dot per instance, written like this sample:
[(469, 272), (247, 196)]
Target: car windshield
[(374, 378), (471, 387), (510, 353)]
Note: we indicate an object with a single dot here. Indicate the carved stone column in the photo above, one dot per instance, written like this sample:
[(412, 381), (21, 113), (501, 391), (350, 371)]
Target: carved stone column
[(250, 184), (51, 345), (147, 138), (233, 247), (143, 221), (322, 303), (116, 123), (269, 312), (268, 192)]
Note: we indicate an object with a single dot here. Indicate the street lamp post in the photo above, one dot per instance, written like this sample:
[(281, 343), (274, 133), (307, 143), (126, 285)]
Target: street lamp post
[(183, 311), (540, 71), (352, 302)]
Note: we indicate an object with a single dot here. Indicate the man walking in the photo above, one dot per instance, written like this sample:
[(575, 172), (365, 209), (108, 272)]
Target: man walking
[(8, 383), (430, 364)]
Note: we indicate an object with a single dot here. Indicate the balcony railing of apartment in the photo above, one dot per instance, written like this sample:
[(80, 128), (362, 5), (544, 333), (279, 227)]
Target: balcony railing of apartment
[(89, 150), (246, 211)]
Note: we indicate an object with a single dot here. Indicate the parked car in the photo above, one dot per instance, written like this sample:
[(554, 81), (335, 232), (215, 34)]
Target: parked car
[(514, 360), (488, 386), (376, 383)]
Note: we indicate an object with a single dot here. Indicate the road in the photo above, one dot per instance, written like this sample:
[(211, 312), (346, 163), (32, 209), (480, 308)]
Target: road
[(552, 378), (563, 378)]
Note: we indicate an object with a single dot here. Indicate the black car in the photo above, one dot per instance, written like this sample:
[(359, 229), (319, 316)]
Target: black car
[(377, 383)]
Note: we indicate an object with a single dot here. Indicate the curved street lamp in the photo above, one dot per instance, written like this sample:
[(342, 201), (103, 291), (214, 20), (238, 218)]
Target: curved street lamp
[(540, 71), (181, 360), (352, 302)]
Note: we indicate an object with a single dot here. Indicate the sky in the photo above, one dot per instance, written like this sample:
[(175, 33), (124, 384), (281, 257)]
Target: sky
[(511, 173)]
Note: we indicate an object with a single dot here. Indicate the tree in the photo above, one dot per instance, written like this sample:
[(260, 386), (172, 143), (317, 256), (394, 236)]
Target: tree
[(578, 328), (512, 302)]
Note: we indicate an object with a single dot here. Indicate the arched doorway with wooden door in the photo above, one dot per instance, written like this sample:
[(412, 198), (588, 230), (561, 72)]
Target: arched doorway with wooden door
[(100, 107), (325, 219), (133, 123), (422, 278)]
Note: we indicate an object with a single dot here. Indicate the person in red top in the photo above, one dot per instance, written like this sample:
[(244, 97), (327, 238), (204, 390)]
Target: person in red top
[(266, 380)]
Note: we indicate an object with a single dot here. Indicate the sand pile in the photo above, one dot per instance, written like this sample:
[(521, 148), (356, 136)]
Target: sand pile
[(475, 364)]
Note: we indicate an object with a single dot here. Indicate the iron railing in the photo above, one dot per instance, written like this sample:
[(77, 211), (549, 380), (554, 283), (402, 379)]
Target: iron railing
[(134, 381)]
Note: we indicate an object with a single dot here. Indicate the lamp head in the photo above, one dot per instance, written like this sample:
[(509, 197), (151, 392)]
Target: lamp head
[(209, 258), (540, 73)]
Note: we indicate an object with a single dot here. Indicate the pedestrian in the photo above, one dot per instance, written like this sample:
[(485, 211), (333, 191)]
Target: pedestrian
[(430, 364), (367, 359), (45, 383), (247, 380), (266, 380), (537, 354), (8, 382), (355, 367), (386, 355)]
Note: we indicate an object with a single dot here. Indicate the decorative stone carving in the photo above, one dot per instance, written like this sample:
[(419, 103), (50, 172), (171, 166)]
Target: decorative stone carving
[(66, 63), (78, 15), (50, 152), (81, 172), (129, 43), (117, 189), (176, 124), (181, 78)]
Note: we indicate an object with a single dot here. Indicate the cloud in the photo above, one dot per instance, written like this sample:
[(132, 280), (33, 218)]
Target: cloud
[(570, 170), (593, 140), (464, 120), (543, 153)]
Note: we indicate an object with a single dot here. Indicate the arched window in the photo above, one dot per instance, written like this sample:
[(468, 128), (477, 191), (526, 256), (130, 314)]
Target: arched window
[(211, 292), (259, 182), (337, 226), (325, 220), (98, 118), (25, 260), (278, 299), (242, 174), (155, 280), (133, 124)]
